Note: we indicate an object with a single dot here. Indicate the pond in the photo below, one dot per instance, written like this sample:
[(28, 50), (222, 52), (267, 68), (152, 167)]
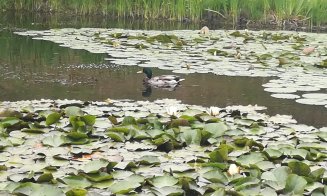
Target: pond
[(35, 69)]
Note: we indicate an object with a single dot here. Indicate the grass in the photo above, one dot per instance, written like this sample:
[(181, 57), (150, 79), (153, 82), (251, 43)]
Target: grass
[(310, 12)]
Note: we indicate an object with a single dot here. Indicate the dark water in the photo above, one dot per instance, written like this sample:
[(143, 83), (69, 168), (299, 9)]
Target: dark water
[(34, 69)]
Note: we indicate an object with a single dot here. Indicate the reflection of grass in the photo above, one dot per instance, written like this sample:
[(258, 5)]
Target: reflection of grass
[(314, 12)]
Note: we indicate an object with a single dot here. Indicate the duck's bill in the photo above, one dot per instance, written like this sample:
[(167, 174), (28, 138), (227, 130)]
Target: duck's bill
[(139, 71)]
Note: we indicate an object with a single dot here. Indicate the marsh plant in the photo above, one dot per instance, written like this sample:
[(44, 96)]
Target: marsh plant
[(280, 12)]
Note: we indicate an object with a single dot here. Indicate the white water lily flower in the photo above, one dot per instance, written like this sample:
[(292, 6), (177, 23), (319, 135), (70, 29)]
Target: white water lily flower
[(109, 101), (214, 111), (233, 169), (171, 110)]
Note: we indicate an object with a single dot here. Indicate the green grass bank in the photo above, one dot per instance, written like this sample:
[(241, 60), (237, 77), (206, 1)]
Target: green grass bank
[(277, 12)]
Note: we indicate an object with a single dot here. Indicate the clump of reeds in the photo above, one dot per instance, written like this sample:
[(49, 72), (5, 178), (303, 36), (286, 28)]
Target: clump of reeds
[(310, 12)]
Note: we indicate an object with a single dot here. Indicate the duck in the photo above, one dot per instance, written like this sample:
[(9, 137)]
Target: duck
[(163, 81)]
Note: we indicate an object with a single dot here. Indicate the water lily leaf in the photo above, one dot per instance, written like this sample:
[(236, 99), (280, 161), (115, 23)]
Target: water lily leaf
[(10, 113), (220, 154), (76, 181), (75, 135), (162, 181), (4, 143), (258, 130), (311, 187), (149, 160), (307, 145), (322, 135), (118, 137), (268, 191), (192, 112), (37, 131), (179, 122), (246, 182), (155, 133), (88, 119), (73, 111), (76, 192), (52, 118), (124, 130), (98, 177), (55, 140), (190, 136), (216, 129), (250, 159), (125, 165), (276, 178), (95, 166), (300, 154), (21, 177), (129, 120), (208, 118), (299, 168), (33, 189), (273, 153), (124, 187), (10, 121), (168, 190), (103, 184), (216, 176), (264, 165), (295, 184), (317, 174), (113, 120), (45, 177), (190, 119)]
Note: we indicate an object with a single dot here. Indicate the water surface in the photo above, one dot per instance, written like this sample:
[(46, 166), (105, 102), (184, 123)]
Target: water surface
[(34, 69)]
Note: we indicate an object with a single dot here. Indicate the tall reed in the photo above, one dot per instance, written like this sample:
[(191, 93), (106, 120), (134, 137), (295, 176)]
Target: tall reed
[(313, 12)]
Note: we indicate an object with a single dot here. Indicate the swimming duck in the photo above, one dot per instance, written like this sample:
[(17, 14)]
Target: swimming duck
[(164, 81)]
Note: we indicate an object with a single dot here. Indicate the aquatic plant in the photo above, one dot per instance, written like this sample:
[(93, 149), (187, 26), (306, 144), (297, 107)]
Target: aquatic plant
[(282, 12), (70, 147), (291, 56)]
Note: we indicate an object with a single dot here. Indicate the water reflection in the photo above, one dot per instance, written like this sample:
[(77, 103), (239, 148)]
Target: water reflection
[(147, 91), (33, 69)]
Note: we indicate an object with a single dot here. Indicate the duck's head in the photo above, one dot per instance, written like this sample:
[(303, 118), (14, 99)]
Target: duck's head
[(147, 71)]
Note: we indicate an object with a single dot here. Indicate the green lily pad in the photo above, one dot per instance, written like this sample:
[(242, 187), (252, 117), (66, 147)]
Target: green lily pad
[(45, 177), (129, 120), (124, 187), (191, 136), (95, 166), (216, 129), (295, 184), (168, 190), (73, 111), (52, 118), (88, 119), (33, 189), (149, 160), (299, 168), (118, 137), (76, 192), (216, 175), (250, 159), (55, 140), (220, 154), (162, 181), (276, 178), (76, 181), (98, 177)]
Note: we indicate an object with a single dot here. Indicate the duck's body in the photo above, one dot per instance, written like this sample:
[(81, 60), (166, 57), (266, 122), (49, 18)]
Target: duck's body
[(164, 81)]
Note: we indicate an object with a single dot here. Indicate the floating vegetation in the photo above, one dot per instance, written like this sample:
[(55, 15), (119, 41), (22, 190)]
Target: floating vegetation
[(70, 147), (263, 54)]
